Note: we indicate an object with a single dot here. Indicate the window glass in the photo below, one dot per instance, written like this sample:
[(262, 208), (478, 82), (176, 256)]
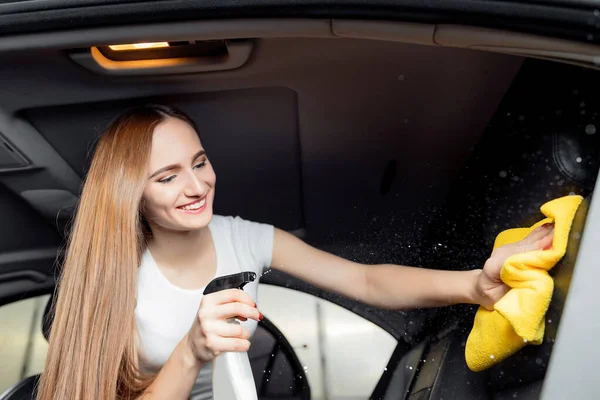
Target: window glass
[(23, 347)]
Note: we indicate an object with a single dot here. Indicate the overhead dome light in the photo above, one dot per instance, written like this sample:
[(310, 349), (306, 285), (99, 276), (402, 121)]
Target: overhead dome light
[(138, 46), (168, 57)]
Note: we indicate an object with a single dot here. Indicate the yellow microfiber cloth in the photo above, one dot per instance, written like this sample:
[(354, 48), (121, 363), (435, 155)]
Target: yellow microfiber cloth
[(518, 318)]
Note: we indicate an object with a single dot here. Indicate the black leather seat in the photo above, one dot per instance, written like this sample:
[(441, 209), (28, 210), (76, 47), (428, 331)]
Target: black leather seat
[(24, 390)]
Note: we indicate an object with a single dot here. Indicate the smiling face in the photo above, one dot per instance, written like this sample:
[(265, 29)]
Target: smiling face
[(180, 188)]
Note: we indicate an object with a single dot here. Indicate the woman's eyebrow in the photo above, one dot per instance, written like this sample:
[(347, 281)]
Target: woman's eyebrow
[(175, 166)]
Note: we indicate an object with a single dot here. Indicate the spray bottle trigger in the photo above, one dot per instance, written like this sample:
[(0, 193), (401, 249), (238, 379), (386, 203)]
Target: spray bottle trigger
[(233, 281)]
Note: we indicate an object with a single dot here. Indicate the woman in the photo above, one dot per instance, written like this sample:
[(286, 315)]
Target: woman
[(130, 319)]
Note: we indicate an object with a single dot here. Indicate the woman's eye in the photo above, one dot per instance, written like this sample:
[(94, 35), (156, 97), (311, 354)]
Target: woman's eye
[(200, 165), (167, 179)]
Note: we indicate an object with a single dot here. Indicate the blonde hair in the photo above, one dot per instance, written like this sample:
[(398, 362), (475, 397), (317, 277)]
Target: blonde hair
[(92, 346)]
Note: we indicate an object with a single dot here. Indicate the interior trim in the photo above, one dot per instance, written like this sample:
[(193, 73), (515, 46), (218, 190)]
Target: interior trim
[(471, 37), (28, 141), (475, 38), (238, 53), (178, 31), (499, 41), (47, 165), (552, 17), (28, 255), (573, 369), (389, 31)]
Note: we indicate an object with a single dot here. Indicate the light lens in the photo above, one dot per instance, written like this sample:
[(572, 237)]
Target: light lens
[(138, 46)]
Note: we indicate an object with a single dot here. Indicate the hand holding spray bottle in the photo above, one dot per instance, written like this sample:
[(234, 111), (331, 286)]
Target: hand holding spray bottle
[(232, 374)]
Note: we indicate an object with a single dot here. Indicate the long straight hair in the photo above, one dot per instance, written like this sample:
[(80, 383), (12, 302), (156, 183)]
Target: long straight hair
[(93, 341)]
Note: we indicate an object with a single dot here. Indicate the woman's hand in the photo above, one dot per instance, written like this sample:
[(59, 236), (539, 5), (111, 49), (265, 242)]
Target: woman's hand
[(489, 287), (211, 334)]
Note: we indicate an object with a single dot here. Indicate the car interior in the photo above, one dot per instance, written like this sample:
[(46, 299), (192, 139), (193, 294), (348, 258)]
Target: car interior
[(378, 141)]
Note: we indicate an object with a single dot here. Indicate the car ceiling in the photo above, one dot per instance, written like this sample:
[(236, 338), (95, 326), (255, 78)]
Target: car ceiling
[(300, 136)]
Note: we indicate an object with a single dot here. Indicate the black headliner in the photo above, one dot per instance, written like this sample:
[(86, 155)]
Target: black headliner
[(559, 18)]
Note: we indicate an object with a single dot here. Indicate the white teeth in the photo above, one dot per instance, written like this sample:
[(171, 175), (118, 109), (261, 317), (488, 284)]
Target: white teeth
[(194, 206)]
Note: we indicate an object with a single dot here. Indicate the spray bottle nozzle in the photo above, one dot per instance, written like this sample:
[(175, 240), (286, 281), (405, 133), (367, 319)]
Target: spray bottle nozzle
[(233, 281)]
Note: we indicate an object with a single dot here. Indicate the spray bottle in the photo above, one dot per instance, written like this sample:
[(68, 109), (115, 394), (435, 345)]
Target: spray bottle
[(232, 374)]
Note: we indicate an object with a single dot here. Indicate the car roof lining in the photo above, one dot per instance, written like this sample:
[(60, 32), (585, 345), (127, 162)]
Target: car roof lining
[(495, 40)]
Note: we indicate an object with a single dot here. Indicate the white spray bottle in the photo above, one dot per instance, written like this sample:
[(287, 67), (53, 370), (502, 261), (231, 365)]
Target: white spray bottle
[(232, 374)]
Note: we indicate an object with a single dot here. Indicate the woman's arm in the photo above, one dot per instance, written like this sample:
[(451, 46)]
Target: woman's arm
[(396, 286), (384, 286), (177, 377)]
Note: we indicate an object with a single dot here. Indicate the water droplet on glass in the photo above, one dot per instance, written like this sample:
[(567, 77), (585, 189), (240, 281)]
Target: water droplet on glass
[(578, 159), (524, 340), (539, 361), (590, 36), (514, 395), (492, 356), (521, 118), (410, 368), (596, 13), (590, 129), (385, 369), (503, 174), (582, 104)]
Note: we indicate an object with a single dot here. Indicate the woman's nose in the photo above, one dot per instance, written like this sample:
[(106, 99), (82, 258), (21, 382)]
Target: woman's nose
[(195, 186)]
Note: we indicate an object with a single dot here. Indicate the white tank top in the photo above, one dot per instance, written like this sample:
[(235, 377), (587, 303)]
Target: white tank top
[(164, 312)]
